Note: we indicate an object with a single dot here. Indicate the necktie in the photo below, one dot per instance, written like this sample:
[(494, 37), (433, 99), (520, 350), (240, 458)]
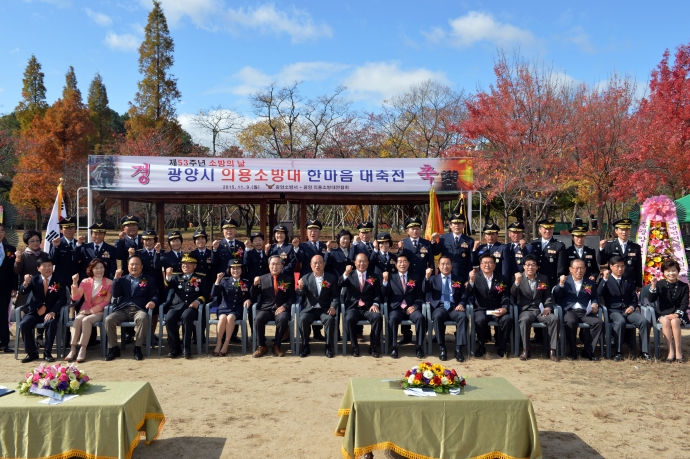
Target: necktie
[(361, 282), (488, 247), (71, 245), (177, 255), (275, 285), (446, 293), (620, 284), (318, 285), (457, 241), (98, 249), (369, 245), (2, 254), (45, 286), (151, 253), (402, 280), (414, 244)]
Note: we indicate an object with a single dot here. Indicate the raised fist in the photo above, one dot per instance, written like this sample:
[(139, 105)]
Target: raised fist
[(168, 272), (375, 244), (19, 256), (385, 276), (27, 279), (219, 277), (562, 281), (216, 244), (300, 283), (429, 272), (401, 244), (75, 279), (267, 248), (476, 245), (473, 276), (257, 281), (435, 237), (332, 245), (118, 274), (348, 270), (295, 242), (605, 274), (122, 235), (81, 239), (157, 247), (523, 243), (602, 243), (247, 243), (56, 242), (356, 240), (654, 281), (131, 251), (518, 277)]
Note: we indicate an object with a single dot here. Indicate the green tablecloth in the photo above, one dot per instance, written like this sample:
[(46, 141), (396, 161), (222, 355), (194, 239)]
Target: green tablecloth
[(105, 422), (492, 419)]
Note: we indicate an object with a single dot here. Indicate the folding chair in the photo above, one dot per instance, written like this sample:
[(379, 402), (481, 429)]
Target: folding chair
[(123, 325), (298, 339), (343, 292), (212, 308), (492, 323), (557, 310), (291, 326), (162, 323), (384, 311), (68, 321), (608, 326), (579, 325), (18, 319)]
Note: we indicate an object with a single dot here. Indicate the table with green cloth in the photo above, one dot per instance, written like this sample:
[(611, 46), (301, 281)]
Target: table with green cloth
[(106, 421), (490, 419)]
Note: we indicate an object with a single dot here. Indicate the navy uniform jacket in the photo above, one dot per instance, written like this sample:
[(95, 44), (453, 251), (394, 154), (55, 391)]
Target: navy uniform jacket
[(568, 295), (287, 253), (419, 259), (54, 299), (226, 253), (144, 292), (503, 257), (172, 260), (370, 293), (204, 263), (589, 256), (412, 294), (459, 253), (87, 252), (379, 264), (122, 249), (553, 261), (433, 290), (152, 267), (271, 301), (615, 297), (255, 263), (488, 297), (306, 252), (63, 258), (632, 257), (186, 291), (519, 255), (361, 247), (338, 261), (8, 278), (231, 295), (329, 297)]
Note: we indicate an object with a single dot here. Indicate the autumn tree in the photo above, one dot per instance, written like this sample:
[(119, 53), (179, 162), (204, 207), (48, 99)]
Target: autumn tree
[(33, 94), (218, 121), (100, 113), (70, 84)]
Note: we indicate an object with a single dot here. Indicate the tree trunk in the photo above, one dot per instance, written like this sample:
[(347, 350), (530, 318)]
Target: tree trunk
[(375, 219), (39, 222)]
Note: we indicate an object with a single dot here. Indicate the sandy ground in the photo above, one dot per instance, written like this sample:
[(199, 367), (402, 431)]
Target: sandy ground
[(630, 409)]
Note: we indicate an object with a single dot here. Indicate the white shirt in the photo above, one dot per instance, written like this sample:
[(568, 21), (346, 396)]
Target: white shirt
[(318, 284), (578, 286), (544, 243), (579, 250), (488, 279), (623, 244)]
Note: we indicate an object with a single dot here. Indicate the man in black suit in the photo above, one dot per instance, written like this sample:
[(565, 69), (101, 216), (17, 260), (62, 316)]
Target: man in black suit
[(577, 295), (620, 298), (531, 293), (277, 293), (62, 251), (128, 239), (491, 298), (622, 247), (8, 288), (47, 299), (579, 251), (456, 246), (227, 249), (96, 249), (133, 295), (319, 294), (519, 247), (444, 292), (403, 292), (191, 291), (362, 302)]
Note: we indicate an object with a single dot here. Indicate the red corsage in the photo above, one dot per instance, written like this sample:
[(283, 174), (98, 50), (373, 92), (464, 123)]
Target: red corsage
[(54, 288)]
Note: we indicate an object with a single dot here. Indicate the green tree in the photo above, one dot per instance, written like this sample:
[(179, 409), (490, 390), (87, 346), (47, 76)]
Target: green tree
[(70, 84), (33, 94), (101, 115), (157, 91)]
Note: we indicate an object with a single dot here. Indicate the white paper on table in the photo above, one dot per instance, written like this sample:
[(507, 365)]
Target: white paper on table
[(589, 307), (420, 393), (454, 391), (52, 401), (541, 307)]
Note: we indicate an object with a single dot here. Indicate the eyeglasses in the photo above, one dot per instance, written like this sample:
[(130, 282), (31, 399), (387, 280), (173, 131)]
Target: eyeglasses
[(530, 265), (579, 268)]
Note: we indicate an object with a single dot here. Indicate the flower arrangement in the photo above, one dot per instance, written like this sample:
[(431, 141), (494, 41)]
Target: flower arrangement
[(54, 288), (238, 253), (194, 282), (456, 284), (588, 289), (9, 254), (241, 285), (500, 287), (658, 249), (143, 283), (325, 284), (371, 280), (283, 286), (435, 376), (102, 293), (410, 283), (542, 286), (55, 379)]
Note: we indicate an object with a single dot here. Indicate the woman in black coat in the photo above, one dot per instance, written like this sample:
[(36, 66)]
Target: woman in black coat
[(671, 307)]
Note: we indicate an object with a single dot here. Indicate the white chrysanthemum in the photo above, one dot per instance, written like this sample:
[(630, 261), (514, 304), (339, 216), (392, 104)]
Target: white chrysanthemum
[(410, 380), (428, 374), (445, 381)]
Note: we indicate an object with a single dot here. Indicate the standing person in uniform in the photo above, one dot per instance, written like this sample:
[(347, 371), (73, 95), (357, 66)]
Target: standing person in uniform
[(503, 256), (255, 259), (8, 288), (629, 251), (202, 255), (550, 253), (233, 297), (229, 248), (383, 260), (128, 239), (173, 257), (421, 257), (97, 249), (62, 251), (304, 251), (519, 247), (365, 244), (579, 251), (191, 291), (456, 246), (340, 253), (283, 249)]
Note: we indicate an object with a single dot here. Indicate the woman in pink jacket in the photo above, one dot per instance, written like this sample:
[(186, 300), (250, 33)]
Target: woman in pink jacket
[(97, 291)]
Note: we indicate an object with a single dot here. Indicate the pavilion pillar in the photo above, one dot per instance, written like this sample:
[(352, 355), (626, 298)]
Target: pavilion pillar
[(262, 218), (160, 222), (124, 207), (271, 220), (303, 219)]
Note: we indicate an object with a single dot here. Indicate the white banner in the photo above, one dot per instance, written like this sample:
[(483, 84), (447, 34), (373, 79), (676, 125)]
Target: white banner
[(379, 175)]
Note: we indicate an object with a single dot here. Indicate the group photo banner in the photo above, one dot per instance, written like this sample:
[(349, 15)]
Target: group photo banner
[(204, 174)]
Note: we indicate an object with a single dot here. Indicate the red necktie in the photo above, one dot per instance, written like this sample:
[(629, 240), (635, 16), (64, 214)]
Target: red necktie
[(45, 287), (275, 285)]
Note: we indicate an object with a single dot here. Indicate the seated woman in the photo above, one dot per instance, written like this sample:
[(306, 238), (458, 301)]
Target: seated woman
[(97, 291), (671, 307), (233, 294)]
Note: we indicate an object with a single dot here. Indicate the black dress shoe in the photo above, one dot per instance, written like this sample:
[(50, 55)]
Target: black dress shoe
[(234, 339), (47, 356), (355, 351), (329, 353), (646, 356), (318, 336), (481, 350), (394, 353), (137, 353), (376, 354), (420, 352), (458, 354), (572, 356), (405, 340), (113, 353), (174, 353), (187, 353), (500, 352), (7, 349), (588, 355), (304, 352), (443, 356), (618, 357), (30, 357)]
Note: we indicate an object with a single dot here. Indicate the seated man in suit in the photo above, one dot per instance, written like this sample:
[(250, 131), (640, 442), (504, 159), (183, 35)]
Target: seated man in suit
[(319, 291), (619, 295), (277, 292), (490, 292), (444, 292), (47, 299), (403, 291), (133, 295), (532, 294), (362, 302), (190, 292), (576, 294)]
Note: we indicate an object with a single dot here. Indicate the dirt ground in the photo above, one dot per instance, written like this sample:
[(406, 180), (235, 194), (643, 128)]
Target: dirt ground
[(629, 409)]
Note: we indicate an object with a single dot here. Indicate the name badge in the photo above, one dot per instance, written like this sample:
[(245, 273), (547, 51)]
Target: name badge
[(632, 254)]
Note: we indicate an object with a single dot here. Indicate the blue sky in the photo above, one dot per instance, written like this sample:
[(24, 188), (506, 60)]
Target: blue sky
[(226, 50)]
